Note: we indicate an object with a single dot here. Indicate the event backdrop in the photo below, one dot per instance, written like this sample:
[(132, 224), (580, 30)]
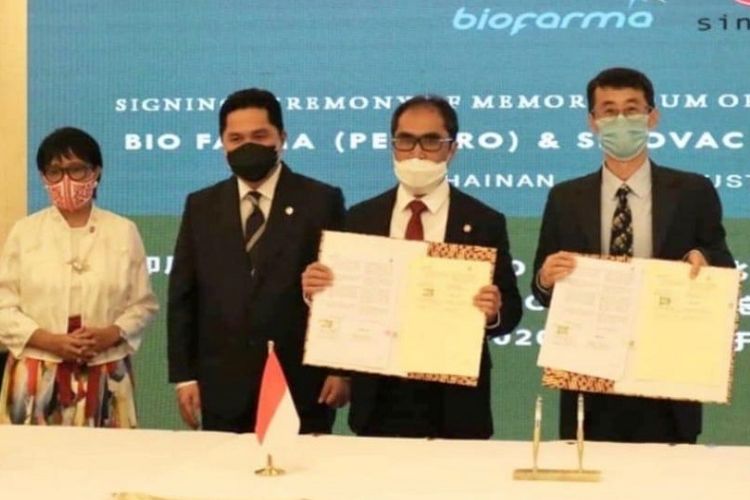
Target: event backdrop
[(147, 79)]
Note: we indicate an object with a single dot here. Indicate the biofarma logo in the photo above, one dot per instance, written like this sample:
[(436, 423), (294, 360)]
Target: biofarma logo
[(496, 20)]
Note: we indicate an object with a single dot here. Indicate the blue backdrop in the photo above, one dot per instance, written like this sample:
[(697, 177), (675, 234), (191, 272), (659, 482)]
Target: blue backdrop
[(147, 79)]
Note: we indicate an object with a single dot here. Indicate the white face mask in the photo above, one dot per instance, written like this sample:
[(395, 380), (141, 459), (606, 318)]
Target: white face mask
[(420, 176)]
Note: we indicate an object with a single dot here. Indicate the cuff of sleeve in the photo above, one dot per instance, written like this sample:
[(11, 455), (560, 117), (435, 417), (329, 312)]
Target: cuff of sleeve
[(542, 288), (180, 385), (495, 323), (133, 341), (17, 343)]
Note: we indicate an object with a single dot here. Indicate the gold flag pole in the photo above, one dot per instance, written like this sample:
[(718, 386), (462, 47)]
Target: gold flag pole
[(574, 475), (579, 432), (537, 432), (270, 470)]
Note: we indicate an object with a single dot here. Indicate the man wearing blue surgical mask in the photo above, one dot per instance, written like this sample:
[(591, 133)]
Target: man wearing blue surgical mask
[(235, 281), (630, 207), (424, 207)]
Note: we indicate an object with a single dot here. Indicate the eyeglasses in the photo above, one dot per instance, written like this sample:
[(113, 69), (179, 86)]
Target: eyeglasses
[(76, 172), (429, 143), (629, 112)]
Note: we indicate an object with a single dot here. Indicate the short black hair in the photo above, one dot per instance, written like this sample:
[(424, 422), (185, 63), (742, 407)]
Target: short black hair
[(65, 142), (450, 118), (252, 98), (619, 78)]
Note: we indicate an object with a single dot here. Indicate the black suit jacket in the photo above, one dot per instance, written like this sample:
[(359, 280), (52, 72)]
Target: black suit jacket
[(467, 412), (686, 214), (221, 314)]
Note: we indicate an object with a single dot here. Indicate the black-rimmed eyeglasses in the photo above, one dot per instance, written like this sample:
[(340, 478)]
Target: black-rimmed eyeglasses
[(629, 112), (76, 172), (429, 143)]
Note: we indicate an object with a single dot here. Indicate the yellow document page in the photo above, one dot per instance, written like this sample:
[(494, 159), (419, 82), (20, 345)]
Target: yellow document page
[(442, 331), (686, 326)]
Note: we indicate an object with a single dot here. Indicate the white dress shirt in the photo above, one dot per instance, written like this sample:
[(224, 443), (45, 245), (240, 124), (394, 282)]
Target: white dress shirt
[(266, 190), (434, 219), (37, 273), (639, 201)]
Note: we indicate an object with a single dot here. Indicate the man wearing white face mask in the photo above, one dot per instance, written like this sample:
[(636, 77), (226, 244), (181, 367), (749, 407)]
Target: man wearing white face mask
[(633, 207), (423, 206)]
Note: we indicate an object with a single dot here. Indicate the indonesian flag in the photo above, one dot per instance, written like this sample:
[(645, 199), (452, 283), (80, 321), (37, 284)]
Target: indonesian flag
[(277, 422)]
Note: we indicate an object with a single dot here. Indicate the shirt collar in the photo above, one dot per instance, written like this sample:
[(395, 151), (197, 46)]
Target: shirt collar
[(434, 200), (93, 220), (639, 183), (266, 190)]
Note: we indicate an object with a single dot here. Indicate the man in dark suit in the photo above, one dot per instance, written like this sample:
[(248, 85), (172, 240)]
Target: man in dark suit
[(631, 207), (424, 206), (235, 281)]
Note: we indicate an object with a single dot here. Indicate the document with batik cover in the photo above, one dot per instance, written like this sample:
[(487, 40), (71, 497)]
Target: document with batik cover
[(400, 307)]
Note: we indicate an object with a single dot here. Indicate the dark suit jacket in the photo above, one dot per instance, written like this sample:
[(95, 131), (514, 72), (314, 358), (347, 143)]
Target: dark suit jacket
[(686, 214), (221, 314), (466, 410)]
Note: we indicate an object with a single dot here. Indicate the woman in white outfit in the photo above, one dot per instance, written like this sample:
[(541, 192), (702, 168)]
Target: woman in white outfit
[(74, 299)]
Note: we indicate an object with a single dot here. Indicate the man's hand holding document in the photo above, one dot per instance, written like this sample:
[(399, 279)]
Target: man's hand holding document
[(399, 307), (642, 327)]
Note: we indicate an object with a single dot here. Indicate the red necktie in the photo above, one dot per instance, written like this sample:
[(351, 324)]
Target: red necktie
[(414, 229)]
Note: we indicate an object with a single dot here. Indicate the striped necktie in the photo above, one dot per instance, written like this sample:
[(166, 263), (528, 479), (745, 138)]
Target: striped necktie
[(621, 240), (255, 222)]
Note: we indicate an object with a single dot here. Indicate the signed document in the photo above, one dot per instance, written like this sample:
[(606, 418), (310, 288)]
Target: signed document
[(590, 321), (441, 329), (399, 307), (646, 327)]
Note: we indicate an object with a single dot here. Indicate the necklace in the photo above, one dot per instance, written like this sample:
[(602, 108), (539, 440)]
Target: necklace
[(79, 263), (79, 266)]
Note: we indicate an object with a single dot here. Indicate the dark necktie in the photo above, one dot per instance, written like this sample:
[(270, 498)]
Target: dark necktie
[(621, 240), (254, 222), (414, 229)]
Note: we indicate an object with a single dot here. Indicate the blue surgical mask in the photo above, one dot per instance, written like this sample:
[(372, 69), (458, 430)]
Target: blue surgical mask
[(623, 138)]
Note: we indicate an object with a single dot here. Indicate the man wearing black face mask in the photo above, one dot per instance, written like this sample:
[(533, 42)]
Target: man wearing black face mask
[(235, 281)]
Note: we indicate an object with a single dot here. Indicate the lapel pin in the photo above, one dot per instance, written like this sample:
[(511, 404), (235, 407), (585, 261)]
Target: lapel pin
[(289, 210), (467, 228)]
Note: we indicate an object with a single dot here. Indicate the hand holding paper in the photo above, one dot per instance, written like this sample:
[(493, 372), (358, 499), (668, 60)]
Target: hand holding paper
[(316, 278), (489, 301), (645, 327), (399, 307)]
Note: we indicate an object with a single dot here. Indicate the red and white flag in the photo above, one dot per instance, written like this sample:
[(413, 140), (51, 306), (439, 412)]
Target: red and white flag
[(277, 422)]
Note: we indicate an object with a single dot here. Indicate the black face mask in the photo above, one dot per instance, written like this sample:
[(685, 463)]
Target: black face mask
[(252, 162)]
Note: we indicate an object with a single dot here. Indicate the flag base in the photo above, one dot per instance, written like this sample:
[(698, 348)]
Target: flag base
[(270, 470), (569, 475)]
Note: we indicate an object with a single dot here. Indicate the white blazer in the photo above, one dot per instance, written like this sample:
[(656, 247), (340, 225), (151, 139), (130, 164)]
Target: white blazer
[(35, 275)]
